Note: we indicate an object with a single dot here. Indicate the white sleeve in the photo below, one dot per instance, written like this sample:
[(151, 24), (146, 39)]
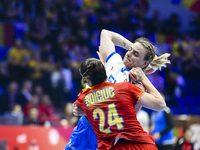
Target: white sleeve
[(113, 58), (115, 69)]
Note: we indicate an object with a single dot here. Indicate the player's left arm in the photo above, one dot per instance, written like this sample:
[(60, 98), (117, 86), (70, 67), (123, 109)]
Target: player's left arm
[(108, 41), (138, 106), (77, 110)]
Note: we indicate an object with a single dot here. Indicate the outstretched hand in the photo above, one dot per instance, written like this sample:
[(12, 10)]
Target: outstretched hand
[(77, 111)]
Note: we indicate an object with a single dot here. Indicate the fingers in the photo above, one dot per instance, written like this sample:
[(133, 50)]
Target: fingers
[(99, 54), (75, 109), (101, 59), (137, 70), (74, 106), (133, 76), (136, 74), (100, 49)]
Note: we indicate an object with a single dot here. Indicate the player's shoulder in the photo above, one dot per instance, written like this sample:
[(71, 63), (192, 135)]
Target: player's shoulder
[(114, 56), (85, 90), (123, 84)]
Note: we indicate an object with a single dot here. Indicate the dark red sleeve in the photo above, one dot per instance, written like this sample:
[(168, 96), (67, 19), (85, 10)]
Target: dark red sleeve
[(136, 92), (81, 96), (77, 102), (80, 100)]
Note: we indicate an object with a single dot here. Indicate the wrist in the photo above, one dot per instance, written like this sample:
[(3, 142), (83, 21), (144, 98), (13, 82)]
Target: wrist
[(144, 79)]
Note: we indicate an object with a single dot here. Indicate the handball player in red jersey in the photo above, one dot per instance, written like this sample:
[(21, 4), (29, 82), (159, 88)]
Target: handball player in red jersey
[(140, 54), (110, 107)]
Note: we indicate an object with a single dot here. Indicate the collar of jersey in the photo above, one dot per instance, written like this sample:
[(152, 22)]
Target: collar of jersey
[(122, 70), (90, 87), (83, 90), (110, 56)]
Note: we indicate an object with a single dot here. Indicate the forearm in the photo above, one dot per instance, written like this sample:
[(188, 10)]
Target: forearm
[(118, 40), (106, 45), (154, 92), (108, 41), (137, 106)]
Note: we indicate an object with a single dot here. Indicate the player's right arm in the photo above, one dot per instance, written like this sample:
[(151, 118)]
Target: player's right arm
[(108, 41), (153, 99)]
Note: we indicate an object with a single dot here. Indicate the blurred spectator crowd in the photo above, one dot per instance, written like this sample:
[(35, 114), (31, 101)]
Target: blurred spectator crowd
[(39, 78)]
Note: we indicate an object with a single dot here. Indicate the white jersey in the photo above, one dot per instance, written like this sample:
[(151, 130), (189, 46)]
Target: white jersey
[(115, 69)]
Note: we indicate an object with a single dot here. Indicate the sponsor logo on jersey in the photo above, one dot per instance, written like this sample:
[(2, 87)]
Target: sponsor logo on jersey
[(112, 68)]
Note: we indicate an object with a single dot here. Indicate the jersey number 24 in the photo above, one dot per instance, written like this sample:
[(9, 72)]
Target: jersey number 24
[(112, 116)]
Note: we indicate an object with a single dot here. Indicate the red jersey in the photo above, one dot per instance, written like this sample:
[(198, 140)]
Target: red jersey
[(110, 110)]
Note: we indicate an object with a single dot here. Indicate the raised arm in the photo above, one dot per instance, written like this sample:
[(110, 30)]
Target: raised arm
[(108, 41), (153, 99)]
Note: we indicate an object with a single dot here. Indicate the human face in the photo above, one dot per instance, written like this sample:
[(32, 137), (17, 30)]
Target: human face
[(135, 57), (188, 135)]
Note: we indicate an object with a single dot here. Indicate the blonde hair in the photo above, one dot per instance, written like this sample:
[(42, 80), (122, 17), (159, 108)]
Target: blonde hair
[(155, 62), (160, 61)]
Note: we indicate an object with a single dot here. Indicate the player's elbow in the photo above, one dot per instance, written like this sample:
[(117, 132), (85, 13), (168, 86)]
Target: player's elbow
[(105, 33), (161, 106)]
